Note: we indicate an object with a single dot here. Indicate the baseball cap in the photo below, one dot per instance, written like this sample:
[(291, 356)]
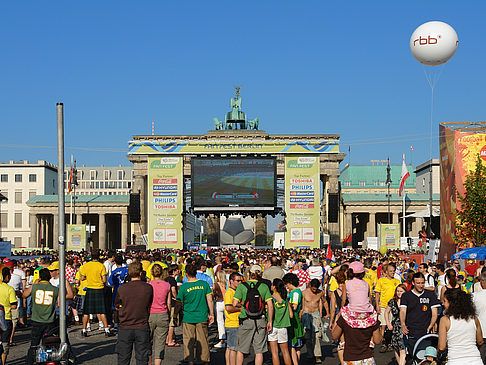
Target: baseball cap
[(255, 268), (9, 264), (357, 267), (430, 351), (53, 266)]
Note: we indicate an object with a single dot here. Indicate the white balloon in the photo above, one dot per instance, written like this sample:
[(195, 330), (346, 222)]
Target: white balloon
[(434, 43)]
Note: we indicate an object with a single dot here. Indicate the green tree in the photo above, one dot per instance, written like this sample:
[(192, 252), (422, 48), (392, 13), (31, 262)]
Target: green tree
[(471, 218)]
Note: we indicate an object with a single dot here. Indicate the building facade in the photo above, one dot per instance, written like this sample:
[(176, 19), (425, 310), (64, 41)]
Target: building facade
[(365, 202), (20, 181), (101, 180)]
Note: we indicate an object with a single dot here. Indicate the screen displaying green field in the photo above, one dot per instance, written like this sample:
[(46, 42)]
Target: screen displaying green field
[(233, 182)]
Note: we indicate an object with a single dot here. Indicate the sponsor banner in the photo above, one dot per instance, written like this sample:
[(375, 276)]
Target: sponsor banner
[(302, 201), (458, 153), (389, 236), (76, 237), (201, 147), (165, 202)]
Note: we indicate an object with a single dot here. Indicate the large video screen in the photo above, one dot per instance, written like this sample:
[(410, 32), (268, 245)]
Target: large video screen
[(233, 183)]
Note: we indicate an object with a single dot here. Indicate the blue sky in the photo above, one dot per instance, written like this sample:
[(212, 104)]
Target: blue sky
[(307, 67)]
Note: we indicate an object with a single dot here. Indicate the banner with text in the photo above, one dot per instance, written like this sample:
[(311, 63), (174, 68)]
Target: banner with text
[(76, 237), (220, 147), (389, 236), (165, 202), (302, 195)]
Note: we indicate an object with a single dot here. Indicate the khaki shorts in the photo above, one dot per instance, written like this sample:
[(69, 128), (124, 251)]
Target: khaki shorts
[(254, 333), (174, 318), (15, 316), (381, 316)]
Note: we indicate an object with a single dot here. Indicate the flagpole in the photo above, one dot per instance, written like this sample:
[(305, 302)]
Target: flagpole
[(70, 193), (403, 213)]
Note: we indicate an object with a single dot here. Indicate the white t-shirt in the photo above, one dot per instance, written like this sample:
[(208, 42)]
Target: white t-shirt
[(16, 281), (479, 299), (429, 281), (441, 282), (54, 282), (108, 266), (315, 272)]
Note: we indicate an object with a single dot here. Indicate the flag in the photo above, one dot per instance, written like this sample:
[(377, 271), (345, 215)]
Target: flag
[(329, 254), (348, 239), (411, 147), (70, 185), (405, 176)]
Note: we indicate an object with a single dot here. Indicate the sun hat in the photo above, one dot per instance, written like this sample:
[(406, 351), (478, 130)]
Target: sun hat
[(430, 351), (357, 267), (255, 268)]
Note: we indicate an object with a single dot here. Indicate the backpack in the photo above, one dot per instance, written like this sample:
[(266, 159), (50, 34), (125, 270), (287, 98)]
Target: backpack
[(253, 304)]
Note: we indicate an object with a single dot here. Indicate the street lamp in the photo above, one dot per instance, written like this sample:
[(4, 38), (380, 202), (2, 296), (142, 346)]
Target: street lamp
[(2, 198), (388, 183)]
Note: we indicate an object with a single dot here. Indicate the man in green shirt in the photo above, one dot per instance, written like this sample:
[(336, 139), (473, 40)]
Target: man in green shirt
[(253, 331), (197, 297), (44, 301)]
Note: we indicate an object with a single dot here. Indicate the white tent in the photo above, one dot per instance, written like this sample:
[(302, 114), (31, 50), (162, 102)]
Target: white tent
[(425, 213)]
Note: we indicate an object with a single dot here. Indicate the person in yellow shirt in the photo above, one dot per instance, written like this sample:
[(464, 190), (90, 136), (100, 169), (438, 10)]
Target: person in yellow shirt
[(94, 272), (384, 292), (370, 275), (156, 260), (78, 302), (9, 301), (231, 322)]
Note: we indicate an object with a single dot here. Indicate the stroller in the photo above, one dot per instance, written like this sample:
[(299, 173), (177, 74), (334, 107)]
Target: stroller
[(51, 351), (422, 343)]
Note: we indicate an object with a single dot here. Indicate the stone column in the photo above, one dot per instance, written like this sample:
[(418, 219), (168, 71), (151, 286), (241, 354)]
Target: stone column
[(394, 218), (371, 226), (324, 226), (79, 218), (124, 229), (102, 231), (139, 187), (33, 230), (55, 232), (333, 228), (348, 224), (212, 233), (260, 230), (414, 231)]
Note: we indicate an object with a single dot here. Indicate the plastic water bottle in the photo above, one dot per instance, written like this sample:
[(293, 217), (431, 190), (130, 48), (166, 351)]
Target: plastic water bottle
[(41, 355)]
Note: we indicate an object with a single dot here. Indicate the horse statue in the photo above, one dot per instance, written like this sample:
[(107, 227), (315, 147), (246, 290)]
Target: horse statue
[(253, 124), (218, 125)]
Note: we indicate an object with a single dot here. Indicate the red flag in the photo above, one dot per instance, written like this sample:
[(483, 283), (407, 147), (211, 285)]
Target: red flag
[(347, 239), (70, 185), (411, 147), (405, 176), (329, 254)]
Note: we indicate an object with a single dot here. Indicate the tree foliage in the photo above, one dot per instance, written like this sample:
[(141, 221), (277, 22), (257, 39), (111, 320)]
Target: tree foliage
[(471, 218)]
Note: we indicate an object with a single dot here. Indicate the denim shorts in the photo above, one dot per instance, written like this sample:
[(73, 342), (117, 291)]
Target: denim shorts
[(231, 337)]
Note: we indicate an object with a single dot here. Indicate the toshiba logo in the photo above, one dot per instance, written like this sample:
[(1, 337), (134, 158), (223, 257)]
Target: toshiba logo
[(422, 41)]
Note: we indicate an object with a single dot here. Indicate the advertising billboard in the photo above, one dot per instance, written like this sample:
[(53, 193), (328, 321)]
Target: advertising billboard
[(233, 183), (302, 201), (389, 237), (165, 202), (458, 153), (76, 237)]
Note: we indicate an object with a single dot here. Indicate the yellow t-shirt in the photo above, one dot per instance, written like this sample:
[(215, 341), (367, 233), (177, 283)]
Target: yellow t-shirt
[(94, 272), (333, 284), (386, 287), (148, 273), (231, 319), (7, 297), (82, 284), (145, 265), (371, 278)]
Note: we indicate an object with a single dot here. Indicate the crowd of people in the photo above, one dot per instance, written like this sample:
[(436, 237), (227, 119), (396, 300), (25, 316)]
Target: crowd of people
[(272, 301)]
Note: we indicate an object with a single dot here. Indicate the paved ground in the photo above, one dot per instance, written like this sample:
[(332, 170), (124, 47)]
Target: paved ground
[(99, 350)]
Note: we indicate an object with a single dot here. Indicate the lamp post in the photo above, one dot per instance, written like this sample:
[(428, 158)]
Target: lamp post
[(388, 183), (2, 198)]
